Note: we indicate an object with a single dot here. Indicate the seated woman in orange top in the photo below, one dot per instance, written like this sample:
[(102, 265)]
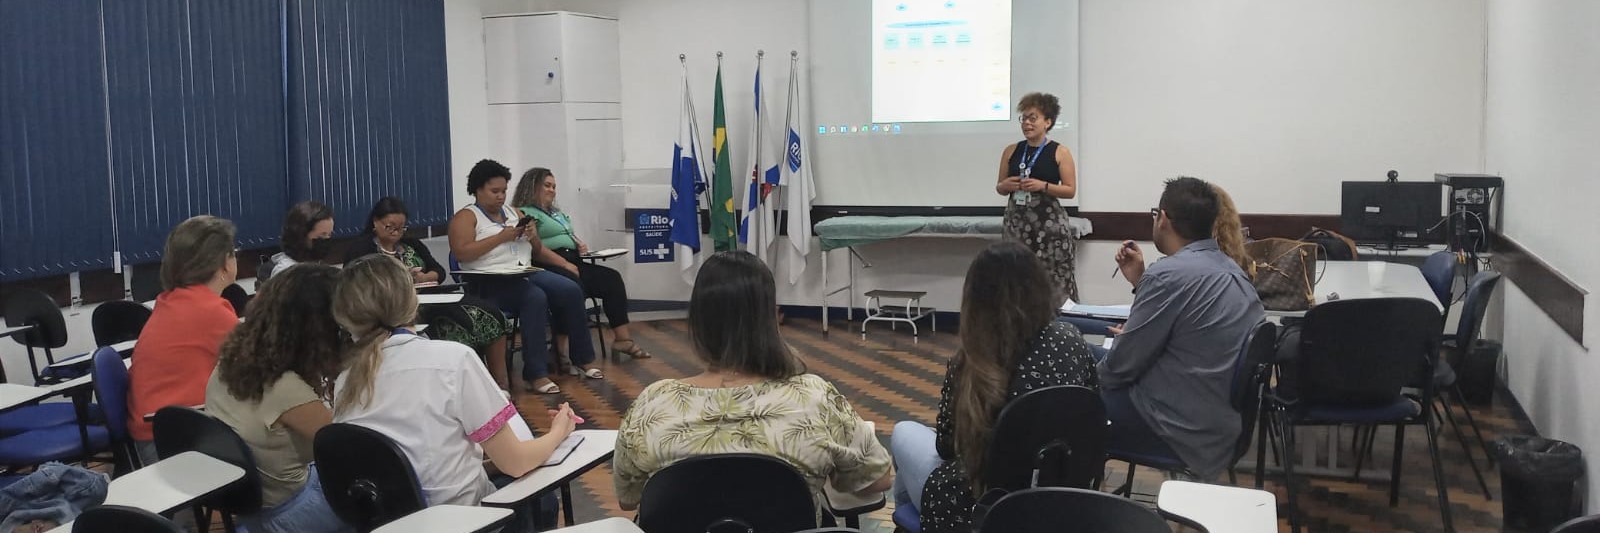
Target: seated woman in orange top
[(178, 347)]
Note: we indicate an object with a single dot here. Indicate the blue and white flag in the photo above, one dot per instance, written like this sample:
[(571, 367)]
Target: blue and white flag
[(759, 228), (795, 175), (688, 182)]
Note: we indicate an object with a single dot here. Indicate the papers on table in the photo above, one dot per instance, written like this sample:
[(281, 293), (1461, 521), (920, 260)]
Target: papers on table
[(1108, 312), (425, 284), (431, 299), (606, 253)]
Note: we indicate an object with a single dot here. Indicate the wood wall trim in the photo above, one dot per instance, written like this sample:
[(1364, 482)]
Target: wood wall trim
[(1559, 297)]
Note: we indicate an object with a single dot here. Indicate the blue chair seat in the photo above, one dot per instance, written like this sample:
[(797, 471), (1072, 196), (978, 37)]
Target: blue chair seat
[(1402, 408), (907, 518), (1159, 462), (39, 416), (50, 444)]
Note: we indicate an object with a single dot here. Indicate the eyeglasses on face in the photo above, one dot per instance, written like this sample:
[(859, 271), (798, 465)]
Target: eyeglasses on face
[(1030, 118), (396, 229)]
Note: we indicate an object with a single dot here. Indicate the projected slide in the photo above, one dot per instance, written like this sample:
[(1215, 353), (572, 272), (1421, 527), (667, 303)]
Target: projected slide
[(941, 60)]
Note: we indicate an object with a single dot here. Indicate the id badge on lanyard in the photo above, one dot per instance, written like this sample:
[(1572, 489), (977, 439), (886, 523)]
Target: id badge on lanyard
[(1025, 168)]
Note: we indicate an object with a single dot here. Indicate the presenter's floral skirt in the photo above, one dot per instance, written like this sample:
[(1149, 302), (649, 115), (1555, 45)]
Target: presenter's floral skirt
[(1041, 224)]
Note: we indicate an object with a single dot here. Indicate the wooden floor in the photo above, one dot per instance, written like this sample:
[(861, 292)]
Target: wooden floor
[(888, 378)]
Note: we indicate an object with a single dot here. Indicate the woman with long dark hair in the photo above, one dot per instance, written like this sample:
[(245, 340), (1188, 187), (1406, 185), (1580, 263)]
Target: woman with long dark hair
[(753, 397), (272, 384), (1010, 344)]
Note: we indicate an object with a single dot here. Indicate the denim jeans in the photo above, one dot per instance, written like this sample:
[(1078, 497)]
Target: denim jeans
[(54, 492), (915, 453), (307, 511), (534, 300)]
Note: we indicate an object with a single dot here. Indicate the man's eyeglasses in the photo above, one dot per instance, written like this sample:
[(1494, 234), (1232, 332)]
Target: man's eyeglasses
[(1155, 212)]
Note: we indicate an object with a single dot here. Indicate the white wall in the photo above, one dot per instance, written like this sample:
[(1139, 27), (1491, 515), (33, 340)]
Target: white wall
[(1543, 124), (1279, 101)]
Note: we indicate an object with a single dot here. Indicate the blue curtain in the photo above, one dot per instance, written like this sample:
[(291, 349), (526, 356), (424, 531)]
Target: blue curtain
[(197, 118), (54, 200), (368, 107)]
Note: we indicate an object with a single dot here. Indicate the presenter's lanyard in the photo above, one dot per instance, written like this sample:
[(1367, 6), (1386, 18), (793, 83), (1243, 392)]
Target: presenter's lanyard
[(1026, 165)]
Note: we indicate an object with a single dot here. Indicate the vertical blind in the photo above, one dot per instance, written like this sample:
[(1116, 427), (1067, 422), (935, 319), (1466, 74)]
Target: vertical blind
[(53, 170), (197, 117), (368, 107), (124, 117)]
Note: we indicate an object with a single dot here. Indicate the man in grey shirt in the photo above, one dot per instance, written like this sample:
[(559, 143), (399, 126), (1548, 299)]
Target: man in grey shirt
[(1167, 378)]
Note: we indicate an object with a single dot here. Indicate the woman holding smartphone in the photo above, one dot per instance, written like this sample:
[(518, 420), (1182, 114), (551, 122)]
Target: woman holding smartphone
[(489, 235)]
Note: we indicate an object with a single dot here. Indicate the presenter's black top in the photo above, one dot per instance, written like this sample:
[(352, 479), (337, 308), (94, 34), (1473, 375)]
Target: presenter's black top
[(1042, 159)]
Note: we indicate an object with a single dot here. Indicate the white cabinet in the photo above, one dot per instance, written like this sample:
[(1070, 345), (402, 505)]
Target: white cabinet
[(552, 57), (553, 96)]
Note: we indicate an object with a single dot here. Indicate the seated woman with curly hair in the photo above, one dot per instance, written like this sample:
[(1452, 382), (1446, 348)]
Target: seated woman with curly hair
[(272, 384)]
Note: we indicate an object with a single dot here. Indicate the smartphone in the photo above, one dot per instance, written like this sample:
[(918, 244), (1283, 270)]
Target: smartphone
[(524, 222)]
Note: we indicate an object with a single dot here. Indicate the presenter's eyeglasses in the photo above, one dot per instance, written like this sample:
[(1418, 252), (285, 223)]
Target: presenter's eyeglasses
[(1030, 118)]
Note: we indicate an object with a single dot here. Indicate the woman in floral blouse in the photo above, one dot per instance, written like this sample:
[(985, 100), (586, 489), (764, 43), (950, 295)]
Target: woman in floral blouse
[(754, 397)]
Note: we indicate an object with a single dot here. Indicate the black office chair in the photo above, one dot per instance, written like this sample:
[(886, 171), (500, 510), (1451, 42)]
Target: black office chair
[(181, 429), (1586, 524), (727, 493), (1049, 437), (1355, 357), (236, 297), (118, 321), (1056, 509), (30, 307), (120, 519), (366, 477)]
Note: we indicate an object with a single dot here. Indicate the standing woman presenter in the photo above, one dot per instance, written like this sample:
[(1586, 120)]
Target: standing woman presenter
[(1034, 175)]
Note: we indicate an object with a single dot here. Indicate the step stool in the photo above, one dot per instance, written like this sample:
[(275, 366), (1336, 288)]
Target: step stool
[(909, 312)]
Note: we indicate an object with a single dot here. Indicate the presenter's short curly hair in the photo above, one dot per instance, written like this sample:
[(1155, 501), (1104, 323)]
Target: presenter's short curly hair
[(1047, 104), (484, 171)]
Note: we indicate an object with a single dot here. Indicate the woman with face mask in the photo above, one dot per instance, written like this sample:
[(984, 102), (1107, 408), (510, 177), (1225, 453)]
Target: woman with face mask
[(307, 237)]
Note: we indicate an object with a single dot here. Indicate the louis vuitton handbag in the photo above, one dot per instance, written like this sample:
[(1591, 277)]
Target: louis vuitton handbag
[(1285, 273)]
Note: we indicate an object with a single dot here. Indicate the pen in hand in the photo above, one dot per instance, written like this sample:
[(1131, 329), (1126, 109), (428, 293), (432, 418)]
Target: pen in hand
[(1127, 245)]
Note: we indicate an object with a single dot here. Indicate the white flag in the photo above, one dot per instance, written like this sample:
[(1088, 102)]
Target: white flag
[(795, 176), (688, 181), (759, 228)]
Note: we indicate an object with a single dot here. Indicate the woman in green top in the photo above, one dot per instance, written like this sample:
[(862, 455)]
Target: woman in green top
[(562, 251), (471, 321)]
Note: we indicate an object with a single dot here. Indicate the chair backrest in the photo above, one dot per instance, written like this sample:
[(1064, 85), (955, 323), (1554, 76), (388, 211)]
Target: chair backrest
[(1586, 524), (1360, 352), (33, 307), (1473, 307), (1440, 271), (1055, 509), (118, 321), (181, 429), (121, 519), (733, 492), (236, 297), (1049, 437), (366, 477), (110, 377), (1250, 376)]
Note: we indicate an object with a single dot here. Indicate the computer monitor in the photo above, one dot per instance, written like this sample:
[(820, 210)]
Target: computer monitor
[(1393, 213)]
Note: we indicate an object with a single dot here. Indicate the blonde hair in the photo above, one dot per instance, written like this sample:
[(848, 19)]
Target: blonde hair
[(1229, 232), (374, 297), (195, 251)]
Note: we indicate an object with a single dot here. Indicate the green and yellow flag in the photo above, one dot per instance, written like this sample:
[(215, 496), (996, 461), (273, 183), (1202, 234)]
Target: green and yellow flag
[(724, 225)]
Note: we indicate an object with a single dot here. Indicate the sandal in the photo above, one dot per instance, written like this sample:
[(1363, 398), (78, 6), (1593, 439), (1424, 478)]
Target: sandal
[(549, 387), (591, 373), (633, 351)]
